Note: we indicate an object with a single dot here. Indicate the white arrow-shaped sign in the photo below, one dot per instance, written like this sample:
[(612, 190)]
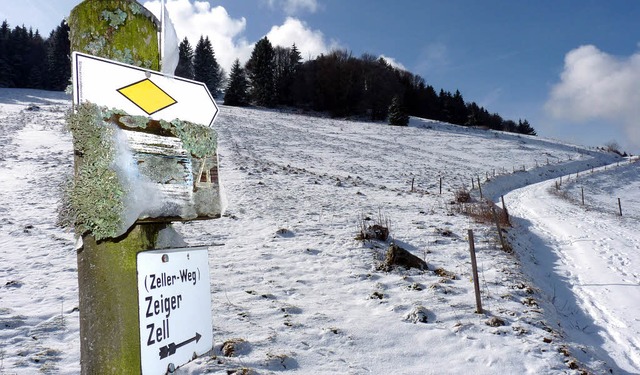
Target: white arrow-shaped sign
[(141, 92)]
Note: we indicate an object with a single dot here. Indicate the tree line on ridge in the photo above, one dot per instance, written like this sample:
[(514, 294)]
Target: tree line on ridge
[(336, 83)]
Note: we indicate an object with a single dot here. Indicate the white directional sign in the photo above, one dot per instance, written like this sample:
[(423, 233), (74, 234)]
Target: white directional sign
[(140, 92), (174, 299)]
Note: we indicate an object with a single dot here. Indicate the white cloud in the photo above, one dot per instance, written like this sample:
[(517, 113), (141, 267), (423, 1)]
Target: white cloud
[(393, 62), (596, 85), (291, 7), (193, 19), (310, 43), (434, 56)]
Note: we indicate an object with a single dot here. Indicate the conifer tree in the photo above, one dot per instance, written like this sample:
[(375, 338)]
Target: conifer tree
[(295, 57), (205, 66), (397, 114), (236, 93), (379, 86), (185, 60), (58, 59), (6, 73), (287, 64), (525, 128), (509, 126), (261, 73), (459, 112), (18, 47), (430, 102), (36, 62)]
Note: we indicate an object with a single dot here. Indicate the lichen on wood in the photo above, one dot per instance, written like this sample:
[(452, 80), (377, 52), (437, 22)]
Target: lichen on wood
[(107, 35), (115, 18), (199, 140), (96, 197), (104, 199)]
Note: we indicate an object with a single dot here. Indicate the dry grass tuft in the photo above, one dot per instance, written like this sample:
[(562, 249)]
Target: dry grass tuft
[(441, 272), (462, 196), (482, 212), (377, 229), (232, 347)]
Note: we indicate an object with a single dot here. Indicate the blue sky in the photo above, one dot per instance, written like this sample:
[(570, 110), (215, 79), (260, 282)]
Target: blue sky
[(572, 68)]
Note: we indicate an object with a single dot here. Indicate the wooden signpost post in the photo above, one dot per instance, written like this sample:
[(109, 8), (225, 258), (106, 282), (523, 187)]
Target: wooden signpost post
[(145, 155)]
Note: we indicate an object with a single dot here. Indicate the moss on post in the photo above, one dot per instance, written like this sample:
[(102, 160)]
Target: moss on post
[(109, 333), (121, 30)]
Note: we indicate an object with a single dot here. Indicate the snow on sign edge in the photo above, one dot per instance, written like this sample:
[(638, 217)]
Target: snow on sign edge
[(97, 80)]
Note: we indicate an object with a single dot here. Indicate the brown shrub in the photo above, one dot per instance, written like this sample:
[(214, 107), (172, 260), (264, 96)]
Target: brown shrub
[(462, 196)]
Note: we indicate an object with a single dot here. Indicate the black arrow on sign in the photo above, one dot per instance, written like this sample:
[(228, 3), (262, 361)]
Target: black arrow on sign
[(170, 349)]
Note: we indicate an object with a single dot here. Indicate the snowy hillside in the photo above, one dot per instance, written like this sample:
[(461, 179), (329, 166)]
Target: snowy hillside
[(294, 292)]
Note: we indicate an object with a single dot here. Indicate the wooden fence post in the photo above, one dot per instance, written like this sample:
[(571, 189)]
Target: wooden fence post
[(480, 187), (620, 206), (495, 218), (474, 269), (504, 208), (440, 185)]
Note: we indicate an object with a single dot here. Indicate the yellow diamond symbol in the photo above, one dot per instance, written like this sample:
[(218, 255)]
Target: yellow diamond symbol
[(147, 96)]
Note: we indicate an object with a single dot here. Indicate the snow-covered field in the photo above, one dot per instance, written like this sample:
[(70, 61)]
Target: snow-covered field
[(296, 293)]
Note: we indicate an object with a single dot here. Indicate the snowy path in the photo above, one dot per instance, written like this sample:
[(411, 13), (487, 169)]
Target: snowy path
[(588, 263), (38, 282)]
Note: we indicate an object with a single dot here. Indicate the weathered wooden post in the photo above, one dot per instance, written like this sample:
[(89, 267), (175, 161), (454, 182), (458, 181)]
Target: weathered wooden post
[(620, 206), (474, 270), (495, 218), (504, 209), (121, 104), (108, 299)]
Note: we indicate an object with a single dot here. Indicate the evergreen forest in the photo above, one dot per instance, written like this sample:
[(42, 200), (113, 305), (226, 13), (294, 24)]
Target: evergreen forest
[(337, 83)]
